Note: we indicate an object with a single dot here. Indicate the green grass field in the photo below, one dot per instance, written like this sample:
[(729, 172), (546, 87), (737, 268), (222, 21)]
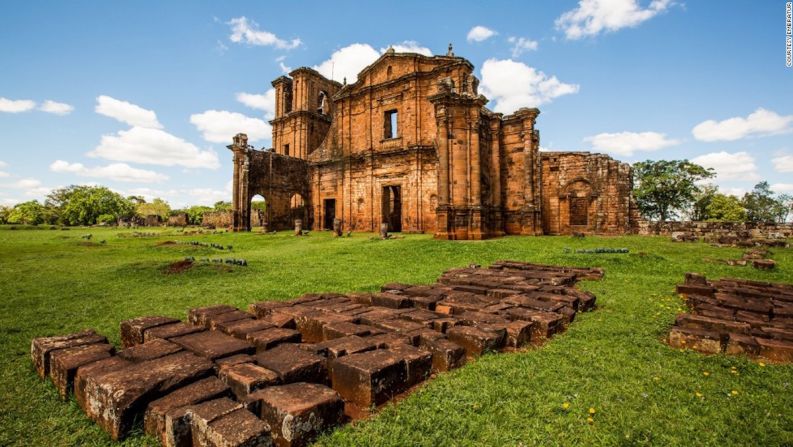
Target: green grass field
[(612, 359)]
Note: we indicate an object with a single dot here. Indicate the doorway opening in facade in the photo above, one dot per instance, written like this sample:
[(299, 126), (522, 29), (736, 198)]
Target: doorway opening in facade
[(258, 211), (392, 207), (578, 211), (329, 215)]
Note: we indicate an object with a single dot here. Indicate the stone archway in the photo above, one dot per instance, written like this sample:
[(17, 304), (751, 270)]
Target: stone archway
[(258, 213)]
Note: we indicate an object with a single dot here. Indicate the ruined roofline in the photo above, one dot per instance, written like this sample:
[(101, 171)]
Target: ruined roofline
[(581, 153), (298, 70)]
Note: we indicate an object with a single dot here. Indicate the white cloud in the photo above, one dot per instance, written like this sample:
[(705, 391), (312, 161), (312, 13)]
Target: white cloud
[(592, 17), (3, 165), (57, 108), (31, 187), (627, 143), (120, 172), (761, 122), (521, 45), (182, 197), (284, 68), (347, 62), (783, 163), (480, 33), (265, 102), (736, 191), (729, 166), (126, 112), (247, 31), (16, 105), (513, 85), (409, 46), (782, 188), (220, 126), (154, 146)]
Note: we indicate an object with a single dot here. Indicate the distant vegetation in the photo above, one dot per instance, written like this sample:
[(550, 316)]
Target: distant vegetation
[(664, 190)]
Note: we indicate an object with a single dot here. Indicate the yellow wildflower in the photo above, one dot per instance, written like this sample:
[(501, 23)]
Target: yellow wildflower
[(762, 365), (590, 421), (698, 394), (734, 392), (705, 373), (566, 405), (591, 410)]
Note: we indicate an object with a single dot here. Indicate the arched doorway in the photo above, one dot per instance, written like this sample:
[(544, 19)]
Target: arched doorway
[(297, 209), (258, 211), (579, 200)]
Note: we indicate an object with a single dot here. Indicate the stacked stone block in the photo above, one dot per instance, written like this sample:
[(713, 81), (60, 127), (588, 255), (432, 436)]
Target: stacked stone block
[(283, 372), (736, 316)]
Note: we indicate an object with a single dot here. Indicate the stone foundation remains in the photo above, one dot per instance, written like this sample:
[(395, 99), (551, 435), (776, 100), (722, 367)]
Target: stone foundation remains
[(736, 316), (283, 372)]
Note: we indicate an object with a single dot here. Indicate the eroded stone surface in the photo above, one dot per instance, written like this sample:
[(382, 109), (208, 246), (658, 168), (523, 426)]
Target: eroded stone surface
[(736, 316), (193, 385)]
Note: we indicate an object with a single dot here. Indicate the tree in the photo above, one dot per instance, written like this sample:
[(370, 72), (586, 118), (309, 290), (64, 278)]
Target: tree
[(82, 205), (157, 207), (196, 213), (31, 213), (787, 207), (665, 187), (702, 200), (222, 206), (727, 208), (4, 212), (762, 205)]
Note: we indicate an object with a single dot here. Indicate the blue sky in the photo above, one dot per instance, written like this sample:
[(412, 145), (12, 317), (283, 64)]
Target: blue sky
[(143, 96)]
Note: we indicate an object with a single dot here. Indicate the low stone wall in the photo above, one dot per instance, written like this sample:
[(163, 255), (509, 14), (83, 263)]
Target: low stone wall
[(709, 230), (223, 219), (178, 220)]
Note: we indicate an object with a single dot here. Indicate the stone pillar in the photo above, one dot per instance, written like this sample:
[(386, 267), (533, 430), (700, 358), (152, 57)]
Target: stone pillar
[(384, 230), (298, 227), (495, 180), (239, 201), (442, 138), (337, 227)]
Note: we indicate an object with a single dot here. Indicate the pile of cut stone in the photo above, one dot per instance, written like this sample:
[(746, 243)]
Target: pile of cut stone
[(736, 316), (285, 371)]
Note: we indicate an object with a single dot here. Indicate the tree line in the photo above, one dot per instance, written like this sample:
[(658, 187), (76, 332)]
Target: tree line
[(91, 205), (679, 189), (664, 190)]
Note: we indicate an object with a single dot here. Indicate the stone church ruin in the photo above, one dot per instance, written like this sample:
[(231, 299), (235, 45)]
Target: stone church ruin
[(412, 145)]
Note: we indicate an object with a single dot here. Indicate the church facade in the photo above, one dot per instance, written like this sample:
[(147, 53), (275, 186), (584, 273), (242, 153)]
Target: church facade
[(411, 144)]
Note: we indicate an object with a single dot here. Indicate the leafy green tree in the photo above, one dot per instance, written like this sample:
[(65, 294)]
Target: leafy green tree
[(762, 205), (222, 206), (787, 207), (702, 200), (196, 213), (4, 212), (31, 213), (157, 207), (82, 205), (663, 188), (726, 208)]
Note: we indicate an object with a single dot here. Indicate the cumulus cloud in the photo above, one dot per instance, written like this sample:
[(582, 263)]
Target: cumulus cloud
[(126, 112), (730, 166), (513, 85), (347, 62), (120, 172), (782, 188), (220, 126), (247, 31), (56, 108), (153, 146), (480, 33), (593, 17), (181, 197), (409, 46), (628, 143), (265, 102), (16, 105), (2, 166), (761, 122), (782, 163), (30, 187), (521, 44)]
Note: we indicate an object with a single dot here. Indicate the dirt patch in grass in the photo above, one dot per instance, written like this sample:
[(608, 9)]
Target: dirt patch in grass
[(179, 267), (166, 243), (88, 244)]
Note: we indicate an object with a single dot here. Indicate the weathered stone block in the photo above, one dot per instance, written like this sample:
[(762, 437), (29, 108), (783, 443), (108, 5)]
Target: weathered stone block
[(132, 331), (241, 328), (776, 350), (391, 300), (149, 350), (339, 347), (200, 391), (212, 321), (346, 328), (42, 347), (269, 338), (696, 339), (294, 364), (64, 363), (199, 315), (244, 378), (213, 344), (94, 370), (476, 341), (116, 398), (299, 412), (369, 378), (418, 363), (446, 355), (519, 333), (170, 331)]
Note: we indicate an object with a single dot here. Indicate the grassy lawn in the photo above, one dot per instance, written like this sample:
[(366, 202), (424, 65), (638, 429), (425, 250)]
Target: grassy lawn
[(644, 393)]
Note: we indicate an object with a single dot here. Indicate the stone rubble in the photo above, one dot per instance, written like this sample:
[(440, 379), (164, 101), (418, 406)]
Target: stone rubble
[(736, 316), (283, 372)]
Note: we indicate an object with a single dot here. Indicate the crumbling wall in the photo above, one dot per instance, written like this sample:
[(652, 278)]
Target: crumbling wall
[(711, 230), (584, 192)]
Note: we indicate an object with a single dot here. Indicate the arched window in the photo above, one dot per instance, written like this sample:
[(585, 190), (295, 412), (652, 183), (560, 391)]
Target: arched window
[(388, 72)]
